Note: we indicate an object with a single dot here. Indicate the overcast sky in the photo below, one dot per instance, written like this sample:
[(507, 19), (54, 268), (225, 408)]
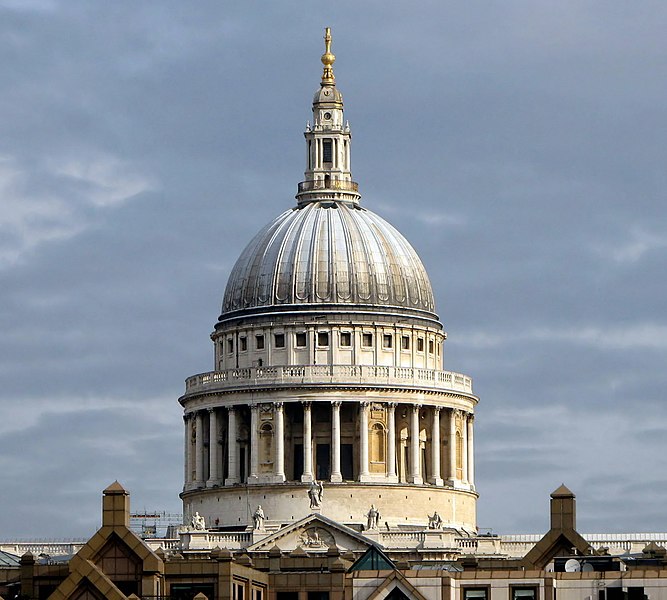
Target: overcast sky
[(520, 146)]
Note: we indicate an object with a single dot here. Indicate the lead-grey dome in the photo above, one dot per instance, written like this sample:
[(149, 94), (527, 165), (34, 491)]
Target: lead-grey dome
[(328, 253)]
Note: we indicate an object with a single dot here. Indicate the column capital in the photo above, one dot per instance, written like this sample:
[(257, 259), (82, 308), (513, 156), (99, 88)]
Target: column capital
[(392, 405), (457, 413), (336, 403), (187, 417), (211, 410), (278, 405), (307, 404), (231, 409), (416, 407), (436, 409), (365, 404), (254, 407), (471, 417)]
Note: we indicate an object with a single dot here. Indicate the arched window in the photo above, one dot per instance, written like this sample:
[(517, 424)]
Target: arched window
[(266, 444), (459, 454), (378, 447)]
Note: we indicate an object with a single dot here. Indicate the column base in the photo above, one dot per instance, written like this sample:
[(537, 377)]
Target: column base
[(437, 481), (213, 483), (253, 480), (336, 478), (197, 484), (307, 477), (392, 478), (416, 479), (278, 478), (231, 481)]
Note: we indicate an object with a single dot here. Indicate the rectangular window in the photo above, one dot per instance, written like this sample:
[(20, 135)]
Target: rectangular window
[(430, 347), (524, 592), (420, 344), (327, 154), (279, 340), (367, 340), (387, 340), (345, 339), (230, 345), (257, 593), (259, 342), (243, 344), (476, 593), (300, 339), (323, 338), (405, 342)]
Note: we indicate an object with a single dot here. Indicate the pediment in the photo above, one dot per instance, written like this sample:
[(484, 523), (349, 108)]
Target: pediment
[(313, 534)]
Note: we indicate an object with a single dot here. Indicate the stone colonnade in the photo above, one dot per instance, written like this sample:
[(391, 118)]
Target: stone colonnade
[(204, 467)]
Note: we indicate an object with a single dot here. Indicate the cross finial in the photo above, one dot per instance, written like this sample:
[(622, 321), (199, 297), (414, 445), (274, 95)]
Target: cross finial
[(328, 60)]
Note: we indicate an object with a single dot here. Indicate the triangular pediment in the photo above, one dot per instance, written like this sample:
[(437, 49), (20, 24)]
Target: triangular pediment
[(312, 534)]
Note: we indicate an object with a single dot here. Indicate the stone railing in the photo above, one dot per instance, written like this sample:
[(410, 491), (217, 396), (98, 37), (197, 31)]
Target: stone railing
[(207, 540), (334, 184), (335, 375), (50, 548)]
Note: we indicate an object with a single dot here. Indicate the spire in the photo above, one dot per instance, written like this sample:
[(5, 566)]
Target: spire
[(328, 60), (328, 174)]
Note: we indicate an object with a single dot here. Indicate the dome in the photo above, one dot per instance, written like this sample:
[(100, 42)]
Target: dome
[(325, 253)]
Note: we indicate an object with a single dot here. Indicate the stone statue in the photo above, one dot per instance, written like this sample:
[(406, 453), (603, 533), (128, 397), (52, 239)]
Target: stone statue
[(316, 493), (198, 522), (258, 518), (435, 521), (373, 518)]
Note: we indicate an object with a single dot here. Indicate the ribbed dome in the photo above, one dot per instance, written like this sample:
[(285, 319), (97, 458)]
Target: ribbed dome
[(328, 253)]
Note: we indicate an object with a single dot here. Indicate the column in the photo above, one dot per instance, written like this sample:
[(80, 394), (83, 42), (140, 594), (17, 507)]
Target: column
[(452, 446), (254, 444), (232, 455), (391, 442), (436, 475), (199, 449), (187, 475), (213, 450), (464, 450), (471, 452), (279, 443), (336, 475), (363, 442), (307, 443), (415, 472)]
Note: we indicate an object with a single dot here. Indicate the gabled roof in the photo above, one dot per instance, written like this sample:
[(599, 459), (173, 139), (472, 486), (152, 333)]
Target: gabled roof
[(396, 581), (312, 520), (554, 542), (373, 560)]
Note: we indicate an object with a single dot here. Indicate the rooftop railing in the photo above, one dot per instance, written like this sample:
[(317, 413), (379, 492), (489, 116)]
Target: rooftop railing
[(332, 375), (333, 184)]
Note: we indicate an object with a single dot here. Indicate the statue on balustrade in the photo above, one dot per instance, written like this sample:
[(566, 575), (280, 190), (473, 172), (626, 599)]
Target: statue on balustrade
[(198, 523), (435, 521), (258, 519), (316, 493), (373, 516)]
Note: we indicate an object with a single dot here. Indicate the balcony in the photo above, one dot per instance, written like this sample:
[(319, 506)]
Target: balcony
[(332, 185), (371, 376)]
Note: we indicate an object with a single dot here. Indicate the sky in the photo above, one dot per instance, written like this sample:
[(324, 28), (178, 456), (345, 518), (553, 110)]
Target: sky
[(519, 145)]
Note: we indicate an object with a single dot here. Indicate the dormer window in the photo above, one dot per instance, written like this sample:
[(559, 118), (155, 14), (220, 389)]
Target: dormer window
[(327, 150)]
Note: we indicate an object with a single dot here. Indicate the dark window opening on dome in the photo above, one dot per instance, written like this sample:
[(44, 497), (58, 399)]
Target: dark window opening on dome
[(327, 151), (420, 344), (243, 344), (230, 345), (405, 342), (430, 346), (259, 341), (367, 340), (279, 340), (387, 340), (300, 340), (345, 339), (323, 338)]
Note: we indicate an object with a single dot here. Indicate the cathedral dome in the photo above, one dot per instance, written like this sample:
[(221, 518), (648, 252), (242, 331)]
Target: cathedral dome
[(328, 253)]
